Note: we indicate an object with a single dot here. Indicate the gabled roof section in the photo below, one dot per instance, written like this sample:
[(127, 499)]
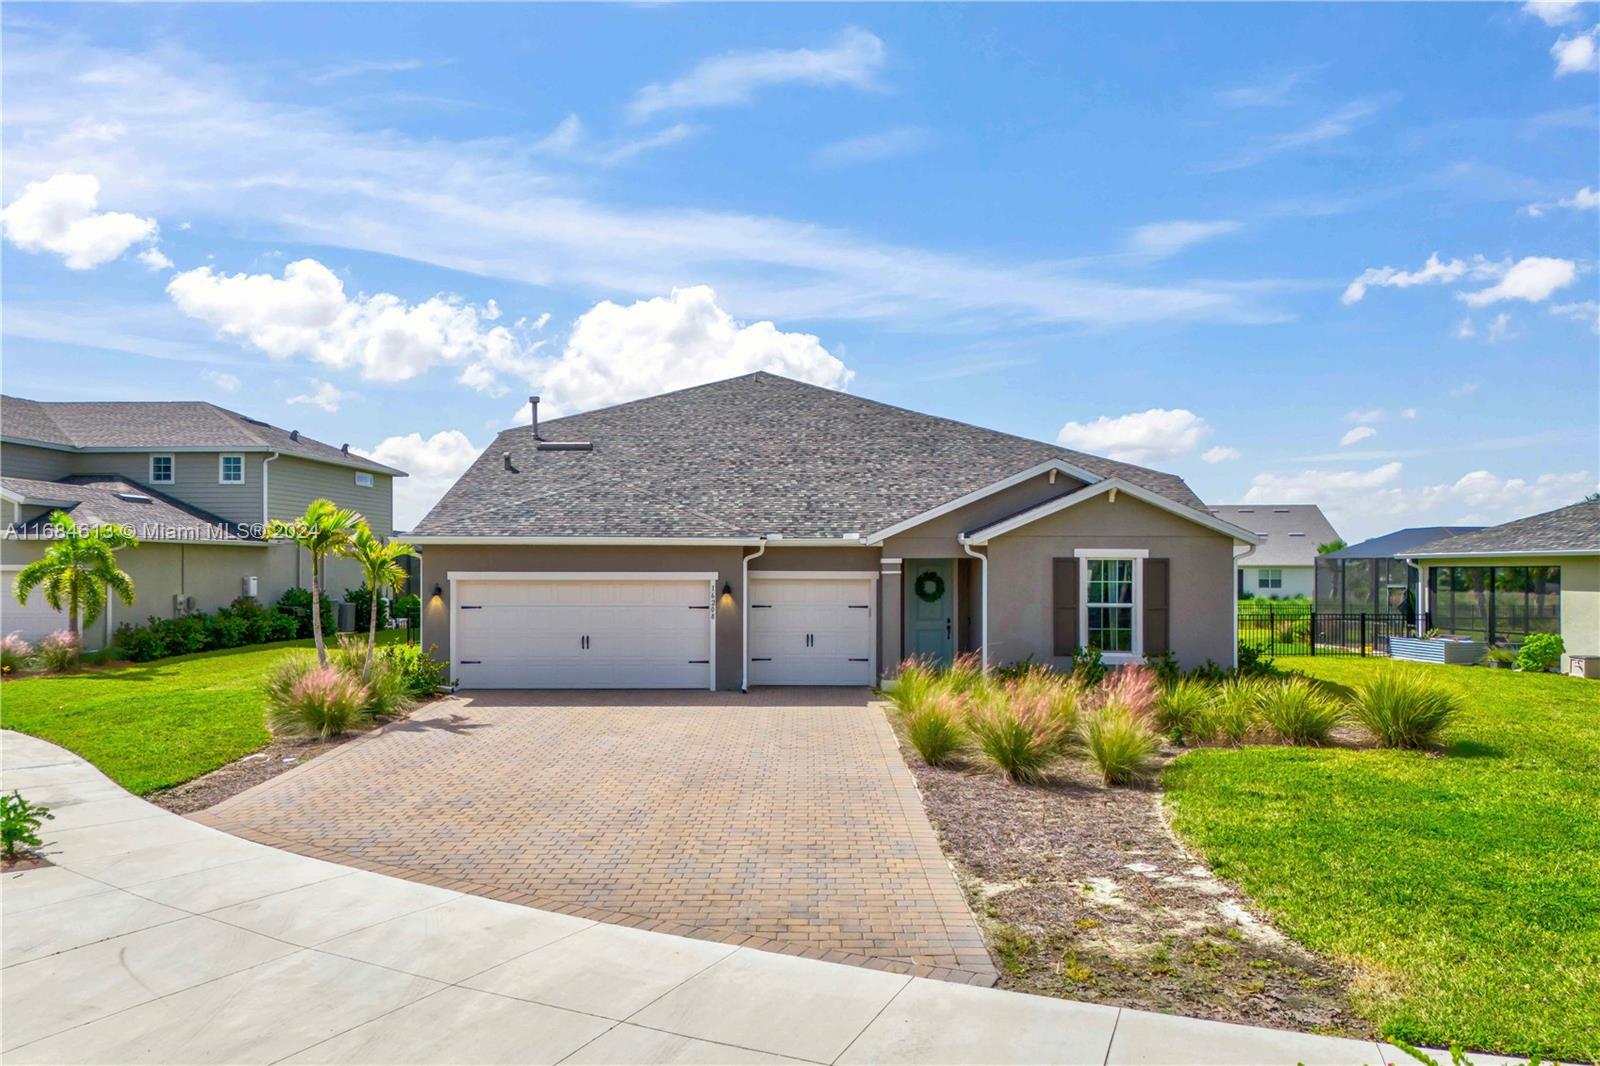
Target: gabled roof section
[(177, 425), (1574, 529), (1290, 532), (93, 500), (1399, 542), (984, 534), (745, 457)]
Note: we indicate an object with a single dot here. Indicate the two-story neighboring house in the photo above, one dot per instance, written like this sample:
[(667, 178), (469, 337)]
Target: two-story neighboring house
[(1283, 565), (196, 483)]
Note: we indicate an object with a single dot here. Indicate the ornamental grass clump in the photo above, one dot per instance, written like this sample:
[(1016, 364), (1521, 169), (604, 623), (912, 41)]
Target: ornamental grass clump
[(914, 683), (936, 727), (1116, 729), (60, 652), (1181, 708), (14, 653), (1235, 710), (965, 675), (305, 699), (388, 691), (1403, 710), (1019, 730), (1299, 712)]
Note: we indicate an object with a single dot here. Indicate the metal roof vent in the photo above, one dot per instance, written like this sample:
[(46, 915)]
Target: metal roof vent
[(551, 445), (134, 497), (294, 434)]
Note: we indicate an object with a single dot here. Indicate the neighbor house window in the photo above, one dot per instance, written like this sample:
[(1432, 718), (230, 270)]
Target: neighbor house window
[(364, 481), (161, 469), (232, 470), (1111, 601), (1269, 579)]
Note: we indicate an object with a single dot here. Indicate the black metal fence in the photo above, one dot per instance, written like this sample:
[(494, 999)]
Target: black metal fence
[(1288, 631)]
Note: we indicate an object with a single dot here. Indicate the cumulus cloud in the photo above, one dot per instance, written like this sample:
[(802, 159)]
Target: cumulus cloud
[(1222, 453), (1434, 272), (1586, 311), (307, 313), (614, 353), (154, 258), (222, 380), (1554, 12), (325, 395), (1159, 240), (433, 463), (59, 215), (1585, 199), (1500, 329), (733, 78), (1143, 437), (1356, 435), (1532, 279), (1576, 54)]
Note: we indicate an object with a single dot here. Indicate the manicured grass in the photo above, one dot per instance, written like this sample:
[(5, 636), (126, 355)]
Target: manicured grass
[(1463, 888), (157, 724)]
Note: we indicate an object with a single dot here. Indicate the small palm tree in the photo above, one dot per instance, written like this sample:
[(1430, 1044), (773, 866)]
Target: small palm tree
[(77, 569), (381, 567), (325, 529)]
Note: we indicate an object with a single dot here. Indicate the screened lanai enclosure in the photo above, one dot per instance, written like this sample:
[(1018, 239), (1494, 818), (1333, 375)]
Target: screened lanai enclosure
[(1499, 604)]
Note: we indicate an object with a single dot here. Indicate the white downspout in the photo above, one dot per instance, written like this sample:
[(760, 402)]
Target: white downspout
[(1233, 591), (983, 600), (744, 614), (265, 516)]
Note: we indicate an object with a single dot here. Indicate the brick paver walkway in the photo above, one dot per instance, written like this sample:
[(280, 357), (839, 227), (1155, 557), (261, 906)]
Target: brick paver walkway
[(784, 819)]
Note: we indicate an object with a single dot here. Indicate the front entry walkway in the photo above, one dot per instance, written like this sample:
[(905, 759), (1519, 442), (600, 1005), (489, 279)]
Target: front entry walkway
[(783, 819)]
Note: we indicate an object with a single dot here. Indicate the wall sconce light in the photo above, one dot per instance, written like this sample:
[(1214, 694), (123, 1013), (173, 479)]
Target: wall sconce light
[(727, 595), (438, 595)]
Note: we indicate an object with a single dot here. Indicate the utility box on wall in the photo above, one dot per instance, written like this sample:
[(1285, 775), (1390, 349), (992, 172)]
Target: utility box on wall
[(1585, 666), (250, 584)]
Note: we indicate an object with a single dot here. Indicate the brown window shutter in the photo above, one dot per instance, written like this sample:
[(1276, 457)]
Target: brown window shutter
[(1157, 597), (1064, 586)]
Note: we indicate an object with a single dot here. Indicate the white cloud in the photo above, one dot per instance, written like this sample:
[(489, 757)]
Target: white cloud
[(1222, 453), (58, 215), (1499, 329), (1335, 125), (1357, 434), (1146, 436), (1409, 412), (1466, 388), (1586, 311), (1533, 279), (1465, 330), (1554, 12), (1371, 415), (325, 396), (307, 313), (616, 353), (222, 380), (1159, 240), (1576, 55), (872, 147), (1263, 94), (1585, 199), (1434, 272), (433, 463), (732, 78), (154, 258), (571, 140)]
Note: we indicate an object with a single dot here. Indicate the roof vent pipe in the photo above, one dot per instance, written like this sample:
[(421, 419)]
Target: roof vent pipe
[(294, 434), (533, 407), (506, 458), (344, 449)]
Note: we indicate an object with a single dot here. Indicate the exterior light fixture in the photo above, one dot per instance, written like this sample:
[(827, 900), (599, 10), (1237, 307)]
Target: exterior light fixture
[(438, 594), (727, 595)]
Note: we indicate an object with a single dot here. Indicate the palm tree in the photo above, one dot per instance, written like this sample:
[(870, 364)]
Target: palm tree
[(381, 568), (325, 529), (77, 569)]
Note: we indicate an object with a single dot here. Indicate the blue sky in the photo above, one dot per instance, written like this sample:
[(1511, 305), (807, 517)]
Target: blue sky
[(1342, 254)]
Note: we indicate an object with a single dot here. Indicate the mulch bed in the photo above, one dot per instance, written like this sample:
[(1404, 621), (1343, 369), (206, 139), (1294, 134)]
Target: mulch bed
[(1084, 893), (22, 862)]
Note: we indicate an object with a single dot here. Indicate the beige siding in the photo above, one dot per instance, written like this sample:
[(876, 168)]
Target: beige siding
[(294, 483), (197, 479), (1580, 595), (41, 464)]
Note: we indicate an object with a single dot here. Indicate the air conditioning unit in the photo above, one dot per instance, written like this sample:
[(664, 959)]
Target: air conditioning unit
[(250, 584), (181, 604)]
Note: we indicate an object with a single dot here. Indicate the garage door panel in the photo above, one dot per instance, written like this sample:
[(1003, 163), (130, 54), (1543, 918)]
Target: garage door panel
[(811, 631)]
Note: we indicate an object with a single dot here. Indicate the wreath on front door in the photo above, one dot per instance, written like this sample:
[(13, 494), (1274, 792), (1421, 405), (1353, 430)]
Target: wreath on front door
[(929, 587)]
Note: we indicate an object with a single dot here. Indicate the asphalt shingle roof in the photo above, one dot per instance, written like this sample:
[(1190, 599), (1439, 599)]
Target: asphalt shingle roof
[(1399, 542), (743, 457), (148, 426), (1574, 528), (93, 500), (1290, 531)]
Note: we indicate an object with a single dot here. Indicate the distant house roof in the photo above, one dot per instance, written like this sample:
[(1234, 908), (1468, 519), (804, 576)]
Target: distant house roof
[(1399, 542), (93, 501), (1572, 529), (175, 425), (1290, 532), (744, 457)]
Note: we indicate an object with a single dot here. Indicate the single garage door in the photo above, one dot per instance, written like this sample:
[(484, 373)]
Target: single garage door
[(812, 630), (584, 632)]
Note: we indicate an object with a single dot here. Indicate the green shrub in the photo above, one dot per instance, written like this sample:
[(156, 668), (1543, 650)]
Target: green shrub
[(296, 603), (19, 823), (142, 643), (1234, 711), (1180, 708), (1540, 652), (409, 608), (185, 635), (362, 598), (915, 682), (1165, 666), (420, 671), (60, 652), (1402, 709), (1255, 662), (225, 629), (1018, 731), (935, 727), (387, 691), (1299, 712), (1087, 668), (1119, 741), (14, 653), (306, 700)]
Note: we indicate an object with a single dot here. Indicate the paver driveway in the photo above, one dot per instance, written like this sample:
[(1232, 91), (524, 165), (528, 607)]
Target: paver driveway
[(783, 819)]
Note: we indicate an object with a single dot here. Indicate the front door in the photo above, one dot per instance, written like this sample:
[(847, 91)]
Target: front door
[(930, 610)]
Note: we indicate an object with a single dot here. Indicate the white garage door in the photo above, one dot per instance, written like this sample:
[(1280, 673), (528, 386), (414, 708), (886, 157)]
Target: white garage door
[(584, 632), (808, 630)]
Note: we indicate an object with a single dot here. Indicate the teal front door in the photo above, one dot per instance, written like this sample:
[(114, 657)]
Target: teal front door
[(930, 610)]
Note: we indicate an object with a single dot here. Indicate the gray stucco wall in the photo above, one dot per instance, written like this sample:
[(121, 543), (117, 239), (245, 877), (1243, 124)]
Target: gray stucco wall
[(936, 538)]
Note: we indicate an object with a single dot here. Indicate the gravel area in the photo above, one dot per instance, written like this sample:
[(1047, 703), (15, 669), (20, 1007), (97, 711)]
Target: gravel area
[(1083, 892)]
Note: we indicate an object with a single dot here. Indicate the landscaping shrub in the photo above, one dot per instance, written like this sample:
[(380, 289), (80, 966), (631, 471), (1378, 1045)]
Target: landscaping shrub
[(1087, 667), (225, 629), (409, 608), (387, 691), (935, 727), (1181, 707), (1119, 742), (1166, 667), (60, 652), (186, 635), (1234, 711), (362, 598), (1540, 652), (142, 643), (296, 603), (1134, 687), (1255, 662), (1018, 730), (1299, 712), (914, 683), (304, 699), (19, 823), (14, 653), (1062, 696), (965, 674), (421, 673), (1402, 709)]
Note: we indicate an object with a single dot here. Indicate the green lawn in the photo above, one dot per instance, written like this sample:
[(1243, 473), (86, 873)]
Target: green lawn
[(152, 725), (1464, 890)]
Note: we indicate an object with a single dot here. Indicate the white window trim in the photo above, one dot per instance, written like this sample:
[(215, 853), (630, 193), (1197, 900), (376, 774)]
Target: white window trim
[(222, 477), (1138, 555), (367, 484), (172, 465)]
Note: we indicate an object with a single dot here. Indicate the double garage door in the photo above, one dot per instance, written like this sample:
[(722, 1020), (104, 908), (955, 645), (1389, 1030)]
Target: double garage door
[(590, 631)]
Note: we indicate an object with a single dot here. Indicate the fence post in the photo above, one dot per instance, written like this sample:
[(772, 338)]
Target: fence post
[(1363, 633), (1272, 633), (1313, 620)]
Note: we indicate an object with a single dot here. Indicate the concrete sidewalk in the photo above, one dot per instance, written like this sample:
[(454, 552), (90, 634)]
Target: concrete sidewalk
[(155, 939)]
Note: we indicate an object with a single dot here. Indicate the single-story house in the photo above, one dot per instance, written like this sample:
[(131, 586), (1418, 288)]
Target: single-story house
[(1539, 574), (1284, 564), (762, 531), (1373, 577)]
